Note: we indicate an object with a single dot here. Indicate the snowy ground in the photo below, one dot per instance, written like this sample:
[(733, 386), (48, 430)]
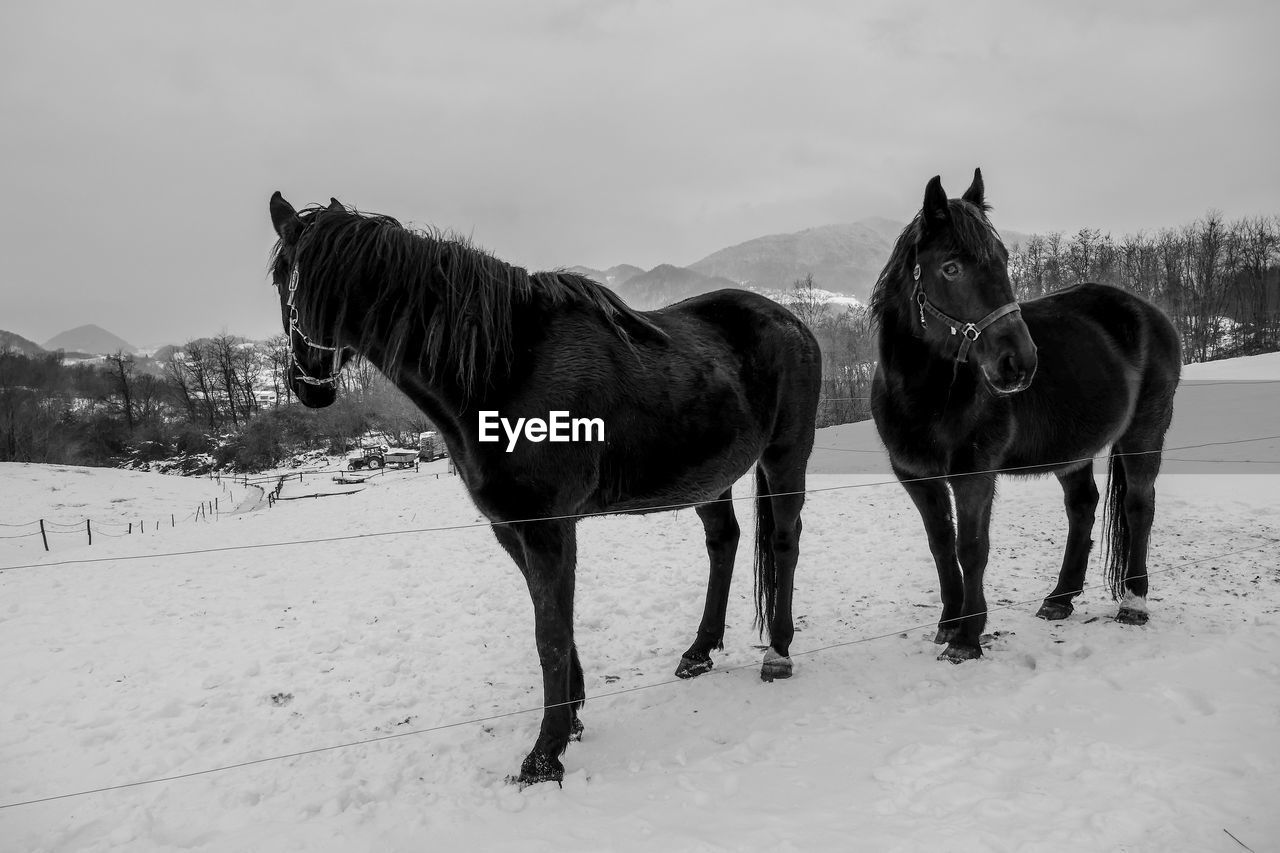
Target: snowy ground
[(1079, 735)]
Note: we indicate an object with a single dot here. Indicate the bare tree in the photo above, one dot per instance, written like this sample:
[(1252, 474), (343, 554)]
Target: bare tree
[(278, 356), (807, 302), (121, 368)]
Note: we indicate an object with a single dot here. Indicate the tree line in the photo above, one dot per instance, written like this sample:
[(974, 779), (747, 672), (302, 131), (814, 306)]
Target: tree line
[(1217, 280), (213, 403)]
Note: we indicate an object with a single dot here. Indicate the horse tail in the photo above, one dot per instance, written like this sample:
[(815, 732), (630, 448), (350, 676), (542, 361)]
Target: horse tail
[(1115, 530), (766, 564)]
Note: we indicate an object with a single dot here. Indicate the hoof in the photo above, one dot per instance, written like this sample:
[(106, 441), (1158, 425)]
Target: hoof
[(1052, 611), (945, 635), (576, 729), (538, 767), (774, 666), (959, 654), (1129, 616), (691, 667)]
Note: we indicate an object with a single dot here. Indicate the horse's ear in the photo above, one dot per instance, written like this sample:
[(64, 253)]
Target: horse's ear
[(976, 193), (935, 204), (334, 205), (285, 219)]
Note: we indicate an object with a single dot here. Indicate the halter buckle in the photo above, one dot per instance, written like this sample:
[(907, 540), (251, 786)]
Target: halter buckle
[(970, 327)]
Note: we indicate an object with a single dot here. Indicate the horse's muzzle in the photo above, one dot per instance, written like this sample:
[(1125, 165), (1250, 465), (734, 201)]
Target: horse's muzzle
[(1014, 364), (314, 396)]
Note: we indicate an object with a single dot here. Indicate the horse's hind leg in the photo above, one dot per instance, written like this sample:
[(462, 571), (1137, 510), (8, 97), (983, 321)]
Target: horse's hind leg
[(785, 487), (1139, 508), (1136, 464), (721, 526), (1080, 494)]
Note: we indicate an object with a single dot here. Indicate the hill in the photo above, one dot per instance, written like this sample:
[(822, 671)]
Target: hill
[(665, 284), (10, 341), (88, 339), (614, 276), (842, 258)]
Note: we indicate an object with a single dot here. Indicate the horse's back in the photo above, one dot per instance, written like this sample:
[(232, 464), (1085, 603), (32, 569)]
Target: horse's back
[(1081, 319), (771, 345), (1105, 357), (725, 379)]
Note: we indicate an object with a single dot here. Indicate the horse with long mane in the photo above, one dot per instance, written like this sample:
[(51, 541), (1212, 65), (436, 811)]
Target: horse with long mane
[(970, 381), (690, 397)]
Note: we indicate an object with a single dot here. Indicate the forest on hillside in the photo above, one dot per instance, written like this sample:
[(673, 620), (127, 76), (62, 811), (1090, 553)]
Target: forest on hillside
[(222, 404)]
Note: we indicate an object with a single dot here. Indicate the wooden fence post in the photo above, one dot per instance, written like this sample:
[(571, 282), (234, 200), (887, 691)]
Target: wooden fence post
[(89, 530), (43, 536)]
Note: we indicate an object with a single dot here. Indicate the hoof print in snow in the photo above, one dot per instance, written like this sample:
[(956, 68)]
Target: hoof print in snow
[(281, 699), (1129, 616), (989, 640), (774, 666), (693, 667)]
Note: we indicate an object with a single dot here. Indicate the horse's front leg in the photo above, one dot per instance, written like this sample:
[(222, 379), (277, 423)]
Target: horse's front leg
[(721, 526), (973, 496), (549, 550), (933, 500)]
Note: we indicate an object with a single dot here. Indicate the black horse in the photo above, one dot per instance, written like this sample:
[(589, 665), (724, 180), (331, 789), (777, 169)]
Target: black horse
[(690, 397), (970, 380)]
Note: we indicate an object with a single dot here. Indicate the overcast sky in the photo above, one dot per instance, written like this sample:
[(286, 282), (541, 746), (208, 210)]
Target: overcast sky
[(139, 142)]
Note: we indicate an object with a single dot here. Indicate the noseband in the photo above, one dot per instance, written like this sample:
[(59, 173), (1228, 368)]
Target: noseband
[(970, 332), (335, 366)]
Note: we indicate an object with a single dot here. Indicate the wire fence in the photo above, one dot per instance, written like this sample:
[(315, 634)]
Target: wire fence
[(1022, 469), (86, 529), (269, 487)]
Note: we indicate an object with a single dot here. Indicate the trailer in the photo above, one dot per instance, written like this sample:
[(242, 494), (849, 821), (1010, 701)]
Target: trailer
[(431, 446), (400, 457)]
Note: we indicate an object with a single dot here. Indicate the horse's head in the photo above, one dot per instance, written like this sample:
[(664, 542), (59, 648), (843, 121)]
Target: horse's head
[(315, 356), (961, 297)]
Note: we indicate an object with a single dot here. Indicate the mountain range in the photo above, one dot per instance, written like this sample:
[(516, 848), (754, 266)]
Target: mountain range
[(844, 260)]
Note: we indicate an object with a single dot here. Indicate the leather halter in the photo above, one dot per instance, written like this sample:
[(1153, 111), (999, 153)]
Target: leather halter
[(335, 366), (970, 332)]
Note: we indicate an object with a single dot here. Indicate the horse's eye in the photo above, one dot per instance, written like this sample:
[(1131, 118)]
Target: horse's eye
[(951, 269)]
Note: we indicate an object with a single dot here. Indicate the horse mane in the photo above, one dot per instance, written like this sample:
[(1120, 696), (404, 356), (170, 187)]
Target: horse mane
[(968, 231), (427, 285)]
